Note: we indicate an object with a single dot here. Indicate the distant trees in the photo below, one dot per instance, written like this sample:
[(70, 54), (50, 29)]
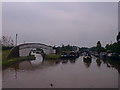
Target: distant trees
[(93, 49), (115, 47), (98, 48), (65, 48)]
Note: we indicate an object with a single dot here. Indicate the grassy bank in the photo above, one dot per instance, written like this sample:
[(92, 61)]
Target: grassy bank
[(15, 60), (6, 62), (0, 57), (52, 56), (5, 54)]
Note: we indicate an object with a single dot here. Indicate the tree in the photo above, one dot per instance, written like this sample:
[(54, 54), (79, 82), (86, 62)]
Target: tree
[(115, 47), (6, 41), (99, 48), (98, 44), (107, 45)]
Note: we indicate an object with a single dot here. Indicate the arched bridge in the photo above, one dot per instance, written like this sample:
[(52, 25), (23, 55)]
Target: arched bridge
[(24, 49)]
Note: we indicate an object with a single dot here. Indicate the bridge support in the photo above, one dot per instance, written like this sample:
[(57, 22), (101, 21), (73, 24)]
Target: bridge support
[(14, 53)]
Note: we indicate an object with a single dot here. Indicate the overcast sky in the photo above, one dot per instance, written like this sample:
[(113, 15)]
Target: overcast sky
[(81, 24)]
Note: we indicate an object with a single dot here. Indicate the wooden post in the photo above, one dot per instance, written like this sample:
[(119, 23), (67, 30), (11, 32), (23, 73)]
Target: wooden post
[(16, 39)]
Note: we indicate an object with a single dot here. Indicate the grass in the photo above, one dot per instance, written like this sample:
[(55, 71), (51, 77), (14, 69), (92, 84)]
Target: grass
[(0, 57), (52, 56), (5, 54), (15, 60), (6, 62)]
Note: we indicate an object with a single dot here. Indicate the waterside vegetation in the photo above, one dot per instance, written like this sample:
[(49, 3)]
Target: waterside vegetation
[(7, 62), (52, 56)]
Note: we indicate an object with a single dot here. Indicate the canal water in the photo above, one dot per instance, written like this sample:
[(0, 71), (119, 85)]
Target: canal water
[(76, 73)]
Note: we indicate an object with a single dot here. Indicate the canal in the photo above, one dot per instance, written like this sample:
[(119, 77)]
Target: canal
[(39, 73)]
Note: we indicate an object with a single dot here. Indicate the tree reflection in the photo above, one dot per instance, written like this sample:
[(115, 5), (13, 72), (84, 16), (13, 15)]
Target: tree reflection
[(112, 63), (57, 62), (104, 60)]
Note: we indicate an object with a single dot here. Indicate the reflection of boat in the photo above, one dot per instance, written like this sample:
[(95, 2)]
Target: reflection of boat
[(87, 62), (72, 60), (64, 61)]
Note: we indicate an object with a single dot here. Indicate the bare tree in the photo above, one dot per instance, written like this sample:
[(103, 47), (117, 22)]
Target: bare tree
[(6, 41)]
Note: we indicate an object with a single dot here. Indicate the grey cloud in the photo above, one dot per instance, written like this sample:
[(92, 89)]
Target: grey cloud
[(69, 23)]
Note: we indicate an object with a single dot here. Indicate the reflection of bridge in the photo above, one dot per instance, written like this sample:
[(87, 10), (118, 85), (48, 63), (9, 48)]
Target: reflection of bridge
[(24, 49)]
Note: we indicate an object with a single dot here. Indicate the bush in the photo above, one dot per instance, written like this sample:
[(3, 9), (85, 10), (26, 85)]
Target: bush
[(52, 56), (6, 48)]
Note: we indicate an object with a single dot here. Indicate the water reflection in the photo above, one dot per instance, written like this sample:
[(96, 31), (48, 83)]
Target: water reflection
[(59, 73), (71, 60), (64, 61), (40, 63), (87, 62), (98, 61), (113, 64), (110, 63)]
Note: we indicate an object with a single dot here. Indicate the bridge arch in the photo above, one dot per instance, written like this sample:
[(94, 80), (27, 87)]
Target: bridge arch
[(24, 49)]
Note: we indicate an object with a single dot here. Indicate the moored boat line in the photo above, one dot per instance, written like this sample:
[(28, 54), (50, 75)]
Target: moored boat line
[(71, 54)]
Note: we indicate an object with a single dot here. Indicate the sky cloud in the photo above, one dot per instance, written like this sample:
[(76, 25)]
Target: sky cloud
[(81, 24)]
